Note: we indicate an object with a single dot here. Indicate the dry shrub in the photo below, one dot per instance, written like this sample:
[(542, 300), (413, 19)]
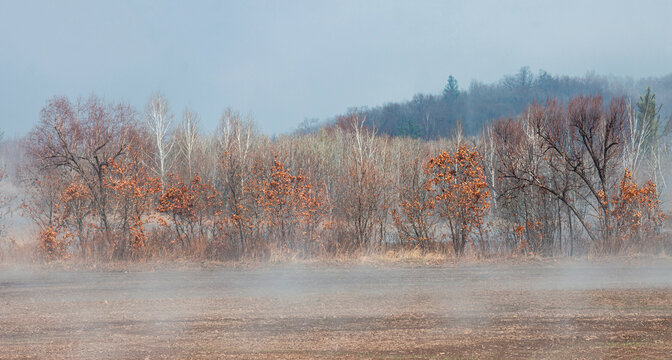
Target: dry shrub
[(52, 246), (638, 214)]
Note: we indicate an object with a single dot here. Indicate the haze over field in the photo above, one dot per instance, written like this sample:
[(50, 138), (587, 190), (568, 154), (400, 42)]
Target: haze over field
[(481, 311), (344, 179), (286, 61)]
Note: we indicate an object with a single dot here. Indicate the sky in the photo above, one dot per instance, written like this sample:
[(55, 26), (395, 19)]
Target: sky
[(284, 61)]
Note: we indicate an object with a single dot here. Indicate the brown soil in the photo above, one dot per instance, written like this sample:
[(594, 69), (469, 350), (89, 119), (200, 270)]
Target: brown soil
[(574, 310)]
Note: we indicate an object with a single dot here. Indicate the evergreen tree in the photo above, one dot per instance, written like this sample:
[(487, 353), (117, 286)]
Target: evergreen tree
[(451, 90), (648, 113)]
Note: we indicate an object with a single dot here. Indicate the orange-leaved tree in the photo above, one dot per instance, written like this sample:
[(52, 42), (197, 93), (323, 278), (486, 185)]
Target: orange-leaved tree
[(191, 208), (459, 192), (77, 140), (52, 243), (133, 190), (290, 204), (207, 206), (75, 208), (61, 229), (178, 203), (637, 211)]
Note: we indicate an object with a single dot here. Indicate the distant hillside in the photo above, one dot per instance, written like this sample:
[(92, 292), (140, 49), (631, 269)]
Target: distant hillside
[(435, 115)]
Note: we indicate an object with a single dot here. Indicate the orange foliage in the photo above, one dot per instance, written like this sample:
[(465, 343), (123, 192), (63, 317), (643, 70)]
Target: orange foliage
[(289, 200), (519, 232), (414, 213), (65, 224), (73, 208), (176, 199), (51, 244), (529, 236), (134, 189), (637, 210), (67, 220), (188, 206), (460, 193)]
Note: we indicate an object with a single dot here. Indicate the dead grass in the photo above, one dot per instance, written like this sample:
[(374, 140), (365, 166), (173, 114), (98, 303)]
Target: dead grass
[(23, 253), (408, 256)]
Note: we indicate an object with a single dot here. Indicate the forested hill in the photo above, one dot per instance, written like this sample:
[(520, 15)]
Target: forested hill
[(435, 115)]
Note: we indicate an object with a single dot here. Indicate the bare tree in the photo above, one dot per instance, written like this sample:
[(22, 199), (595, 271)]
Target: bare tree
[(160, 122), (188, 138), (364, 139), (412, 215), (638, 132), (586, 140), (235, 142), (489, 154), (81, 140), (362, 181)]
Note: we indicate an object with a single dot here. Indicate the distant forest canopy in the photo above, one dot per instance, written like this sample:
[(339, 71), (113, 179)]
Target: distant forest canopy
[(429, 116)]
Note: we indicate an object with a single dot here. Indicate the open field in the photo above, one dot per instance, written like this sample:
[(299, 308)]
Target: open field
[(618, 308)]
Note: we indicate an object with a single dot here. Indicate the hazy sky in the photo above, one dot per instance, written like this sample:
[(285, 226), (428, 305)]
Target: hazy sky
[(285, 61)]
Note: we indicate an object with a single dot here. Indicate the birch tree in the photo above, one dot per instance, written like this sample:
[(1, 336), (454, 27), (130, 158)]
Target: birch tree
[(159, 121), (188, 139)]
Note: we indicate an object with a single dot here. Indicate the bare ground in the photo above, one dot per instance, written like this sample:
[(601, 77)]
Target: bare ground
[(571, 310)]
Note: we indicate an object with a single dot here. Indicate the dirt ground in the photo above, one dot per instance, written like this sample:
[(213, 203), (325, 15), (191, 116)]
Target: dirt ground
[(544, 310)]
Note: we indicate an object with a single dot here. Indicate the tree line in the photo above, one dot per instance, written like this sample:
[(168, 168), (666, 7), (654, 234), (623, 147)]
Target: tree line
[(429, 116), (103, 181)]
